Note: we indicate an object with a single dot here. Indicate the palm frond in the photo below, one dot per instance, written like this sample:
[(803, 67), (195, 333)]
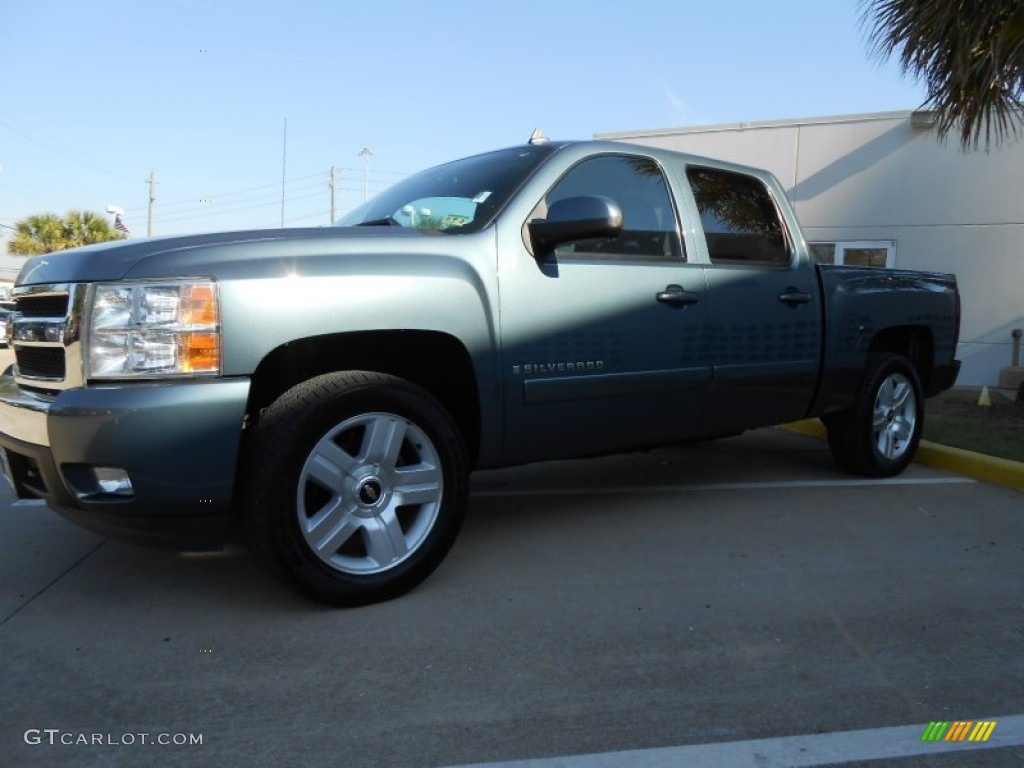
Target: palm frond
[(968, 53)]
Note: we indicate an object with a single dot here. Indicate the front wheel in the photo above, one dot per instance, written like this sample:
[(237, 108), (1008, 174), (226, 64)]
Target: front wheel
[(356, 486), (878, 435)]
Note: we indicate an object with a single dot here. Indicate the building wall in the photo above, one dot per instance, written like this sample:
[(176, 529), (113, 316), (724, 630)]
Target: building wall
[(878, 177)]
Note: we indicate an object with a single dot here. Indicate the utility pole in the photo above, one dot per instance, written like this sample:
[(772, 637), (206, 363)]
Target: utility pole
[(284, 166), (366, 154), (152, 199), (333, 182)]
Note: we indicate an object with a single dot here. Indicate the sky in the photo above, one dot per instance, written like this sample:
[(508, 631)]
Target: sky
[(94, 97)]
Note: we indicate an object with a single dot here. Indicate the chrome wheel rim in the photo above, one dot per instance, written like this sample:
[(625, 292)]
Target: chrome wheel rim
[(895, 416), (369, 493)]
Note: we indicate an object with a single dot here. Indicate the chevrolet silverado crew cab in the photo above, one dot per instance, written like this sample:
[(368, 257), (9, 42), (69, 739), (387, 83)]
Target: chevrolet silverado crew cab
[(331, 389)]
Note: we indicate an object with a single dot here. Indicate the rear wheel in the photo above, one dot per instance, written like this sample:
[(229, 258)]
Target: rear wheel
[(878, 435), (356, 486)]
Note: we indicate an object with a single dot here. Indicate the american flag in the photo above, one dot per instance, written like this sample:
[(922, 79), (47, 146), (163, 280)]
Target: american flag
[(119, 225)]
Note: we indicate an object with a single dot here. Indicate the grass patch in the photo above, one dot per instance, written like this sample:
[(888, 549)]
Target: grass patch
[(955, 418)]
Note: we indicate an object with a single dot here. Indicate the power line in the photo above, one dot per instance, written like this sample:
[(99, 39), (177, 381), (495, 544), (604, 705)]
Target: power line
[(200, 206), (316, 215), (258, 201), (276, 185), (22, 193), (226, 211), (252, 199), (375, 170), (56, 150), (185, 209)]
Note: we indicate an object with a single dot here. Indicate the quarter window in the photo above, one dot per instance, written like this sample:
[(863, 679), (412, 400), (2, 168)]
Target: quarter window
[(637, 185), (741, 223)]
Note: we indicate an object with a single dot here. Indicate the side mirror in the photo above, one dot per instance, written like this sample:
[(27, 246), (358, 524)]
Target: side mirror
[(575, 218)]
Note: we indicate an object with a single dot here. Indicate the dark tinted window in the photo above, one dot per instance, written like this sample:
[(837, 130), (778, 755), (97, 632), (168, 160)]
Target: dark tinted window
[(637, 184), (740, 221)]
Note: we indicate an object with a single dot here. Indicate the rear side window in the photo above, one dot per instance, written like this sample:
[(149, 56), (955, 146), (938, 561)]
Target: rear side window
[(740, 221)]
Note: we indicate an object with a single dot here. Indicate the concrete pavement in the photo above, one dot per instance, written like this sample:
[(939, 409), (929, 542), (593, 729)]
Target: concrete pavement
[(723, 592)]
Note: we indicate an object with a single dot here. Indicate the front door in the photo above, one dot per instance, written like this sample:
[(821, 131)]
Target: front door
[(604, 341)]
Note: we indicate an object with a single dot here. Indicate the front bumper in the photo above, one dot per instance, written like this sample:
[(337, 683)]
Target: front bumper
[(177, 442)]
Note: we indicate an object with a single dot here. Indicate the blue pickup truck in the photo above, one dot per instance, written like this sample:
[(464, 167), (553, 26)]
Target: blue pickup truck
[(331, 389)]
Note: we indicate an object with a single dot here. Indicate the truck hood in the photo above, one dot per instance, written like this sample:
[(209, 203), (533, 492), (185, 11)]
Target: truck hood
[(218, 254)]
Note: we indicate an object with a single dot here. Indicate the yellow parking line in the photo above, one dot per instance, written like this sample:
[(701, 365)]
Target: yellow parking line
[(991, 469)]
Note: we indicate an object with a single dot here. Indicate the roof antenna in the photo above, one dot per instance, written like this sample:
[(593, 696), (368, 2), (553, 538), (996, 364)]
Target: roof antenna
[(538, 137)]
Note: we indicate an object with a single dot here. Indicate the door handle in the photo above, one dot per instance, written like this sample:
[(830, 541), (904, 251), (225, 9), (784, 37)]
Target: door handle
[(674, 294), (794, 297)]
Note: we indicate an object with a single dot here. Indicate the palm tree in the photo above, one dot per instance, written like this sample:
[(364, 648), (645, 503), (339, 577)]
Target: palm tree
[(47, 232), (86, 227), (40, 233), (969, 53)]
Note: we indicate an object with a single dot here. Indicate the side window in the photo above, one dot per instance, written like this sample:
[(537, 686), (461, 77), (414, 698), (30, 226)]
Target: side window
[(649, 231), (740, 221)]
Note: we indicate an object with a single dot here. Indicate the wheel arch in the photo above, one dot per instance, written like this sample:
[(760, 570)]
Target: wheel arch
[(914, 342), (435, 361)]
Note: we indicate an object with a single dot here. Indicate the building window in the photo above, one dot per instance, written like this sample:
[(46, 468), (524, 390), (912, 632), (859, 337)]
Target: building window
[(855, 253)]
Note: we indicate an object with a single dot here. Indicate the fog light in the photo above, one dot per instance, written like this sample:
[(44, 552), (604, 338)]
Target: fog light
[(113, 481)]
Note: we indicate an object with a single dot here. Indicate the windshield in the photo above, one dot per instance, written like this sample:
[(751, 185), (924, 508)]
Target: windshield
[(461, 196)]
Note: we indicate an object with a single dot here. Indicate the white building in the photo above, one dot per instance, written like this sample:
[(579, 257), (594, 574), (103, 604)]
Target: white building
[(880, 189)]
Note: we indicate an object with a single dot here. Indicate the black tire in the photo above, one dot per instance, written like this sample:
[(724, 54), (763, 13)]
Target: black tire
[(355, 487), (878, 435)]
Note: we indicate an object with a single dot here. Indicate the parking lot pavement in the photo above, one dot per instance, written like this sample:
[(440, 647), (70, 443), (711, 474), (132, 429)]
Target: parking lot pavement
[(6, 358), (734, 591)]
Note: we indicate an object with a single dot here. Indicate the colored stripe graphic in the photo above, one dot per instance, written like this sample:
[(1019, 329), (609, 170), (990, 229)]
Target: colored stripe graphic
[(935, 730), (982, 730), (958, 730)]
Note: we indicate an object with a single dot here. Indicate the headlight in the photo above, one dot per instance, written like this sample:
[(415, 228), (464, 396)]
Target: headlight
[(153, 329)]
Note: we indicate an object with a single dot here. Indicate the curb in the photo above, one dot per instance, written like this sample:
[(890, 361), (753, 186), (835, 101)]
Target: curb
[(991, 469)]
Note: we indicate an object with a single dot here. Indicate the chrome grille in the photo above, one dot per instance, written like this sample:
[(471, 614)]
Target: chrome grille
[(42, 306), (45, 333), (41, 362)]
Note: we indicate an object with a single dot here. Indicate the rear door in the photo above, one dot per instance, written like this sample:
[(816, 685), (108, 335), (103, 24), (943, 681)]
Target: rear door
[(764, 311)]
